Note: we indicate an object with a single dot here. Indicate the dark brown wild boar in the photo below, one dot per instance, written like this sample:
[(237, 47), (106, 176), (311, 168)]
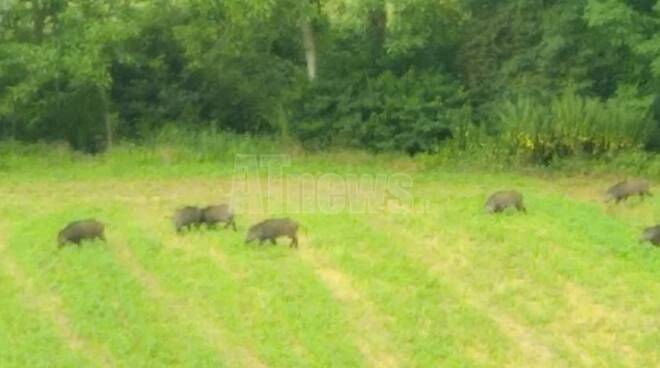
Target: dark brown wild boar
[(499, 201), (273, 229), (212, 215), (651, 234), (187, 217), (622, 190), (77, 231)]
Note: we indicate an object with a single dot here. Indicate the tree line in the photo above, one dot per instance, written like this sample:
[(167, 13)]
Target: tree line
[(541, 78)]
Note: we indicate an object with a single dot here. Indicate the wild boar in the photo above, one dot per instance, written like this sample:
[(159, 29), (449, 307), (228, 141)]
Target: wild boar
[(273, 229), (77, 231), (212, 215), (651, 234), (187, 217), (622, 190), (499, 201)]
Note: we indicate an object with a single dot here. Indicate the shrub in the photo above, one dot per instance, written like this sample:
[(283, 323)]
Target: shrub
[(572, 125), (412, 113)]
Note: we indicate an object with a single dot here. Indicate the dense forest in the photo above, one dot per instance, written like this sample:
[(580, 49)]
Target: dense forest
[(539, 78)]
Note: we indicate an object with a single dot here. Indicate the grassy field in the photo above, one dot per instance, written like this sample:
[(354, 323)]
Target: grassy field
[(432, 282)]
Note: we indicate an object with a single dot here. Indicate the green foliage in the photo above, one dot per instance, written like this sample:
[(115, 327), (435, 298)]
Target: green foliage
[(539, 48), (412, 113), (56, 68), (409, 75), (570, 125)]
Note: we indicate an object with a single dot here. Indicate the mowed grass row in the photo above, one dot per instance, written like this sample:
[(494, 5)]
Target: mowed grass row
[(567, 284), (569, 271), (266, 299), (106, 305), (428, 320), (279, 311), (25, 332)]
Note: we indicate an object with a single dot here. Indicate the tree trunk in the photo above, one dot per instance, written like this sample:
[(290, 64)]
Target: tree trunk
[(108, 131), (376, 27), (309, 43), (38, 21)]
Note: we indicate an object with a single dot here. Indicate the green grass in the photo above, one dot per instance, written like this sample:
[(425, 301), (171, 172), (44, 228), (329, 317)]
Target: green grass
[(25, 332), (444, 284)]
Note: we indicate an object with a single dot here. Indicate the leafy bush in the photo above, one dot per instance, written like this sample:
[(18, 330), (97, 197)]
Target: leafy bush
[(413, 112), (572, 125)]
